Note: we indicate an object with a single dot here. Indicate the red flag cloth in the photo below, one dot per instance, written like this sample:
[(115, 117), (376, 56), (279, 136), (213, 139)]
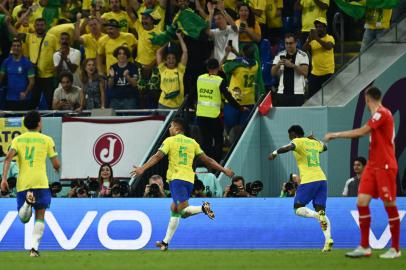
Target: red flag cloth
[(266, 104)]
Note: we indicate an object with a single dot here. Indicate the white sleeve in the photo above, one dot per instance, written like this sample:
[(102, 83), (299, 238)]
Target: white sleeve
[(75, 57), (57, 58), (276, 59), (345, 191), (304, 59)]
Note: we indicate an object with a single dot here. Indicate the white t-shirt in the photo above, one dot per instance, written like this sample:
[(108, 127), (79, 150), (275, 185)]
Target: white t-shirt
[(221, 38), (74, 58), (299, 80)]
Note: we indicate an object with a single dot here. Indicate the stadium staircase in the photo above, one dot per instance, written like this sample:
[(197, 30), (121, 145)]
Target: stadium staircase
[(363, 69)]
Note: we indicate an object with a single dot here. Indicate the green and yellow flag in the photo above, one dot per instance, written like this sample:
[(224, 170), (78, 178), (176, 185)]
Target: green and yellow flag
[(357, 8)]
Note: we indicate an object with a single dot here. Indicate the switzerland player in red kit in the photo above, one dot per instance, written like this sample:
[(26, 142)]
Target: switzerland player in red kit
[(379, 176)]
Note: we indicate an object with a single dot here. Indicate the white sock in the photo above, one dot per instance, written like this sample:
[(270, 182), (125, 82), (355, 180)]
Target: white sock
[(191, 210), (25, 212), (327, 232), (306, 212), (172, 226), (39, 227)]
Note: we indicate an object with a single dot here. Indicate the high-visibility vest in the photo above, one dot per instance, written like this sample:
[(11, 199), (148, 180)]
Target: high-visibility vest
[(208, 95)]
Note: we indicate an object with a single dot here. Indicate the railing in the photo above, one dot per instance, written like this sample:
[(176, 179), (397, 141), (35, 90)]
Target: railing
[(339, 34), (389, 36)]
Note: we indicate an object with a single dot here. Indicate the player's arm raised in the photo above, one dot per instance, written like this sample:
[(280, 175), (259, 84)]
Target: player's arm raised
[(151, 162), (7, 161), (214, 165), (349, 134), (283, 149)]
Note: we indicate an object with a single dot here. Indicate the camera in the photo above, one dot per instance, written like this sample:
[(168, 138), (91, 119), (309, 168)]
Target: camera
[(154, 191), (116, 190), (93, 188), (254, 188), (234, 190)]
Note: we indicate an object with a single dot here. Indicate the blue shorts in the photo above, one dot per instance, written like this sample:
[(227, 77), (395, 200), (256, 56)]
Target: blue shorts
[(42, 198), (314, 191), (180, 190), (234, 117)]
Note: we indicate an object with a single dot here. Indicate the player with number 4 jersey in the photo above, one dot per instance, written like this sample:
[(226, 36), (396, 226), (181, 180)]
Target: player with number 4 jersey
[(32, 149), (181, 151), (313, 184)]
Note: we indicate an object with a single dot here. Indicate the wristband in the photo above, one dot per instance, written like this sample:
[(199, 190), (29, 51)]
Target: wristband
[(275, 152)]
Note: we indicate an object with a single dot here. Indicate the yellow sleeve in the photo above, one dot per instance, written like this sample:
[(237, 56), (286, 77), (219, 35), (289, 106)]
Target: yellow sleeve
[(105, 16), (14, 145), (331, 39), (137, 26), (279, 4), (165, 146), (51, 148), (198, 150), (161, 67), (297, 144), (85, 38), (100, 46), (181, 68), (257, 28)]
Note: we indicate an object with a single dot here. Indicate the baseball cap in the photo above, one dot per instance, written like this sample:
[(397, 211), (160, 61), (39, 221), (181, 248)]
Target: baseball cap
[(321, 20), (112, 23), (149, 12)]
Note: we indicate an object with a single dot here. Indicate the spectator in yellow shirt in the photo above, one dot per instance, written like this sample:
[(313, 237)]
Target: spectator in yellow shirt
[(158, 8), (89, 41), (119, 15), (321, 47), (311, 10), (377, 21), (274, 20)]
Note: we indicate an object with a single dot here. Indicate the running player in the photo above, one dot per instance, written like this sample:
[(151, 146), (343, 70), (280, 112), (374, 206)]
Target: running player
[(32, 149), (379, 176), (313, 185), (181, 151)]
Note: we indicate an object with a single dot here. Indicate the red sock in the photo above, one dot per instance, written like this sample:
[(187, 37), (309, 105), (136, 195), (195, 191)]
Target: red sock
[(394, 224), (364, 224)]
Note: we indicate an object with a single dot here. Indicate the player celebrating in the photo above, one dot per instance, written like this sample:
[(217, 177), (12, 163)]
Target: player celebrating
[(32, 149), (313, 186), (181, 151), (379, 176)]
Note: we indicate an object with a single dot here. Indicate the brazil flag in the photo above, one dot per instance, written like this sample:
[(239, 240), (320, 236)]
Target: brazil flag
[(356, 8)]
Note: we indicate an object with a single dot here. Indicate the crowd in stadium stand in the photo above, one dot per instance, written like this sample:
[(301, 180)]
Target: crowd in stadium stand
[(145, 54)]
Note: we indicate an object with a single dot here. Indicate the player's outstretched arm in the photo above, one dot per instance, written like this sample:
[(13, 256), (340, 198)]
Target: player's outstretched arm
[(7, 161), (214, 165), (151, 162), (349, 134), (283, 149)]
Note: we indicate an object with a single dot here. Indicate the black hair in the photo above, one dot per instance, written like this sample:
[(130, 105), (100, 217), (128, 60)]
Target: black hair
[(66, 74), (238, 178), (249, 51), (298, 130), (374, 93), (181, 123), (65, 34), (290, 35), (122, 48), (212, 63), (251, 16), (40, 20), (32, 119), (361, 160), (111, 179)]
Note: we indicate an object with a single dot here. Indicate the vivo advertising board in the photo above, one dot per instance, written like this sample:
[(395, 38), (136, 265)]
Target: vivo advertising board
[(259, 223)]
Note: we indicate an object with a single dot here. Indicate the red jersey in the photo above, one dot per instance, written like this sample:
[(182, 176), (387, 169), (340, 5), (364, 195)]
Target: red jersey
[(382, 145)]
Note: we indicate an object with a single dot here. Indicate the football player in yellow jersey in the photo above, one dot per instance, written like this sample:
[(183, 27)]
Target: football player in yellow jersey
[(181, 151), (32, 149), (313, 185)]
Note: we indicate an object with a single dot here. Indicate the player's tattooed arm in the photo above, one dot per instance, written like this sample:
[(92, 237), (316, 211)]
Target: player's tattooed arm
[(281, 150)]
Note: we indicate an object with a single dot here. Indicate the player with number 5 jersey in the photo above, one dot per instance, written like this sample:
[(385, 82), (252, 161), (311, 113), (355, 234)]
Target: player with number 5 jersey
[(313, 184), (181, 151), (32, 149)]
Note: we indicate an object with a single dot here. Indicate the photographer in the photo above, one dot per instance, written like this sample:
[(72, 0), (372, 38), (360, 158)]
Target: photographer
[(55, 188), (289, 187), (237, 188), (155, 188), (76, 186), (254, 188), (198, 189)]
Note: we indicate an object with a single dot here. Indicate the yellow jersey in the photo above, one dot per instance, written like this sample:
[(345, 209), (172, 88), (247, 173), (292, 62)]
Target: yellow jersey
[(307, 155), (244, 37), (272, 7), (310, 12), (122, 17), (90, 44), (242, 84), (260, 5), (378, 18), (322, 59), (181, 151), (172, 81), (45, 63), (57, 30), (107, 45), (32, 149), (147, 50)]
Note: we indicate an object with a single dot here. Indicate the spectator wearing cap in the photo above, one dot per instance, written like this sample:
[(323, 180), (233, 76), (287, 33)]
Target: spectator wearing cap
[(148, 83), (19, 72), (311, 10), (157, 7), (210, 89), (172, 72), (108, 44), (119, 15), (321, 46)]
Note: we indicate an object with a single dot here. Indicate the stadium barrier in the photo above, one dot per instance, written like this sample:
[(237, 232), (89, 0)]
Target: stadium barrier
[(257, 223)]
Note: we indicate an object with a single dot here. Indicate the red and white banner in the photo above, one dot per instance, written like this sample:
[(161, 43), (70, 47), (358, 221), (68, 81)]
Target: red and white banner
[(122, 142)]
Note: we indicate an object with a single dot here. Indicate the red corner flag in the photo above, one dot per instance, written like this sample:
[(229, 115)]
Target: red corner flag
[(266, 104)]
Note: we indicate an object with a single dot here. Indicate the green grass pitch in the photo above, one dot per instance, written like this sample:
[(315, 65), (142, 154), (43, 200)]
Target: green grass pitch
[(196, 260)]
